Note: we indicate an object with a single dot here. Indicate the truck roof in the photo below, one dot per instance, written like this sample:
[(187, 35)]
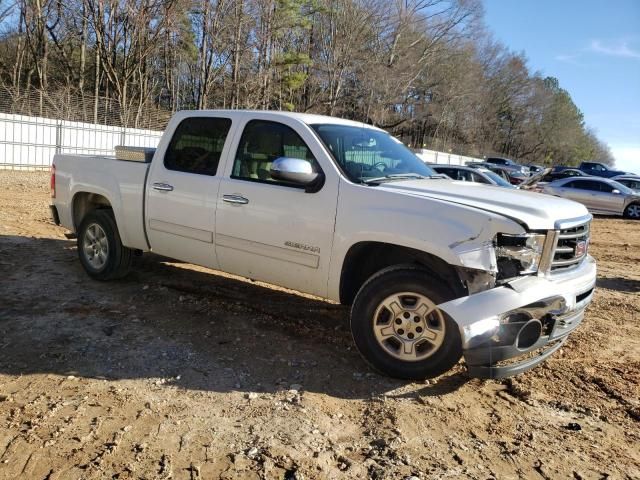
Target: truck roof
[(308, 118)]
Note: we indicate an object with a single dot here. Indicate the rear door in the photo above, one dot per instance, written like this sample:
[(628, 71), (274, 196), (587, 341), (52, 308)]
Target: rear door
[(581, 191), (269, 230), (182, 189)]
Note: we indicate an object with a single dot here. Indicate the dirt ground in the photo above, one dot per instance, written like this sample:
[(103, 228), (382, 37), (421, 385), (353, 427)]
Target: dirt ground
[(180, 372)]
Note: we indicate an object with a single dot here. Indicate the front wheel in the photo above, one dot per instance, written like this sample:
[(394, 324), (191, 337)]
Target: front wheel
[(398, 328), (632, 211), (99, 246)]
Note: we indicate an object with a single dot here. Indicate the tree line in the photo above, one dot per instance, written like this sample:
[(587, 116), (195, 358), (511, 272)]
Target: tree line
[(426, 70)]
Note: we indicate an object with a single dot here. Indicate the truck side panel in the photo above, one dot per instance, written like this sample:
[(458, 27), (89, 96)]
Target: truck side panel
[(120, 182)]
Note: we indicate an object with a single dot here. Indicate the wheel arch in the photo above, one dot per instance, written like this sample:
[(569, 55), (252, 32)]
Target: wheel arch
[(625, 210), (364, 259), (85, 202)]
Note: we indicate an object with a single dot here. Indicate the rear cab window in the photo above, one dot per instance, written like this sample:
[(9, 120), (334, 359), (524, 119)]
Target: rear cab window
[(196, 146)]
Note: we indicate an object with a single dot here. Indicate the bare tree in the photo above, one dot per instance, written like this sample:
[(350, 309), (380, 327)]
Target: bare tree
[(426, 70)]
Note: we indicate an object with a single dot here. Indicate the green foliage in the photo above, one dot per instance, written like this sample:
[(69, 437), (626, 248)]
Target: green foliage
[(293, 14), (294, 80)]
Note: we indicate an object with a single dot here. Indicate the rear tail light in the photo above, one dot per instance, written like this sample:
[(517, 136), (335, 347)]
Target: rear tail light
[(53, 181)]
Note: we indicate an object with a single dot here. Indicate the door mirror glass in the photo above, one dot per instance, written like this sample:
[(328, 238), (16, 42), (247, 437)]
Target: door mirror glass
[(294, 170)]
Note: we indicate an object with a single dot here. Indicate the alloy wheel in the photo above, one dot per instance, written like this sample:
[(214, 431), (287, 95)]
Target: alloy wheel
[(409, 326), (95, 246), (633, 211)]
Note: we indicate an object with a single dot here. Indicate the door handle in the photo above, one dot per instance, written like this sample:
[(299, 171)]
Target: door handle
[(235, 199), (163, 187)]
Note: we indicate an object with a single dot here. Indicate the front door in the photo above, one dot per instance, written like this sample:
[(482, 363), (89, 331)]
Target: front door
[(269, 230), (606, 201), (182, 190)]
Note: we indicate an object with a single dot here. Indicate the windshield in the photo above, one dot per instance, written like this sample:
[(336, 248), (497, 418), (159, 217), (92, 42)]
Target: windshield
[(497, 179), (368, 155)]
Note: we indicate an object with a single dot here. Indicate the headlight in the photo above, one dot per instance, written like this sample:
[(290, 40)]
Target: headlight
[(518, 254)]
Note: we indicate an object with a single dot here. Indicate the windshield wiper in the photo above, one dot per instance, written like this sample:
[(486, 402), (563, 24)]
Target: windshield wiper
[(396, 176)]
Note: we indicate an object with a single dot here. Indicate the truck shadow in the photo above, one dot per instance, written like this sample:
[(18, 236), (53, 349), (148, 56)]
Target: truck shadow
[(176, 325), (620, 284)]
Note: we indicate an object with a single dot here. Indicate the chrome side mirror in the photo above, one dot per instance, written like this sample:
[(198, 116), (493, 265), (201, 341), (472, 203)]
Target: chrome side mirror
[(616, 191), (294, 170)]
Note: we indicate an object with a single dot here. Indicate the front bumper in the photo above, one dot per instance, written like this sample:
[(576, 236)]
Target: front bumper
[(529, 317)]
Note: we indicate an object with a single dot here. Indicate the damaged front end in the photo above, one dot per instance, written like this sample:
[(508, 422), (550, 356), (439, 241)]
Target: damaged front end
[(526, 293)]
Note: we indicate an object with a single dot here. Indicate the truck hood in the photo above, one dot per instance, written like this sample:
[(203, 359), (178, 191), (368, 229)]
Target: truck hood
[(535, 210)]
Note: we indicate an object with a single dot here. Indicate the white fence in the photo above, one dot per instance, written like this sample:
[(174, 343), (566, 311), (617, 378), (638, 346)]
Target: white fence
[(431, 156), (29, 143)]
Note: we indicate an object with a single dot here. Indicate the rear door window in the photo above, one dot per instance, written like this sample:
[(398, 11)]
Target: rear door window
[(586, 185), (449, 172), (196, 146)]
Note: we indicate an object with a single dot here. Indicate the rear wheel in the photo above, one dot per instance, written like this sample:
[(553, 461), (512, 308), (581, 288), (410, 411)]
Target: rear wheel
[(99, 246), (632, 211), (398, 328)]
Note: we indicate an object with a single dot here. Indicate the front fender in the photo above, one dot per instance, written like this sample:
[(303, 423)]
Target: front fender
[(459, 235)]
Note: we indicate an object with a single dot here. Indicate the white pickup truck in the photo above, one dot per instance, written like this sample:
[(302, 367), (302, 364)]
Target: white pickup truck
[(433, 268)]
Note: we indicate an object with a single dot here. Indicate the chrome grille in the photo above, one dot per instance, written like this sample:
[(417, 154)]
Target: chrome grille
[(571, 247)]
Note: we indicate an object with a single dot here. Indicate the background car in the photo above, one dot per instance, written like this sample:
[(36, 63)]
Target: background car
[(535, 168), (599, 169), (631, 181), (514, 177), (508, 164), (510, 175), (565, 173), (534, 182), (468, 174), (599, 195), (537, 181)]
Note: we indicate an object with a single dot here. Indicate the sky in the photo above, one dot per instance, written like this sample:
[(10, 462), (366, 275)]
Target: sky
[(593, 48)]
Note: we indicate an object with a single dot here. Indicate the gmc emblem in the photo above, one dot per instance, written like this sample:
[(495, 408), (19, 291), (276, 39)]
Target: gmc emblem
[(581, 248)]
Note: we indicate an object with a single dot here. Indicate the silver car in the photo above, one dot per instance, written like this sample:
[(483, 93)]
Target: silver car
[(631, 181), (468, 174), (599, 195)]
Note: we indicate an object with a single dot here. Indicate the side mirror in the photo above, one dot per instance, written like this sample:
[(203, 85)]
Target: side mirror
[(616, 191), (293, 170)]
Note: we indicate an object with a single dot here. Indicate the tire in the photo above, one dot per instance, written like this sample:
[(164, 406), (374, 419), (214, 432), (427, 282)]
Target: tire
[(381, 329), (100, 249), (632, 211)]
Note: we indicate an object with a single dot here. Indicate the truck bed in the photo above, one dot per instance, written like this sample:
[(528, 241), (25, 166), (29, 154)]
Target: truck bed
[(121, 182)]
